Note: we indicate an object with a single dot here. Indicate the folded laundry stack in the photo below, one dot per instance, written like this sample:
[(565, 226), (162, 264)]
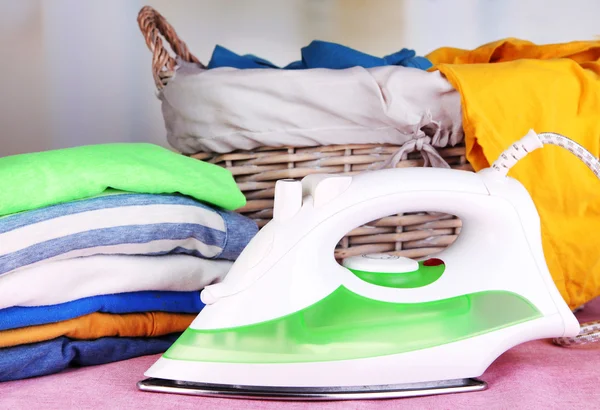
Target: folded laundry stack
[(103, 252)]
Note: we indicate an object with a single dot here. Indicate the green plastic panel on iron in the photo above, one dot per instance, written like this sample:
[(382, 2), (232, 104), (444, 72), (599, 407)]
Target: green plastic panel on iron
[(346, 326)]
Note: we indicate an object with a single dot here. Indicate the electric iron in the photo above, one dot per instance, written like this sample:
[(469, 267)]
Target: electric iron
[(289, 322)]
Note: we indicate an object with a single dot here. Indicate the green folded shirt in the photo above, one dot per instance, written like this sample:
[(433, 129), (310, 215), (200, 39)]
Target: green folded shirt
[(34, 180)]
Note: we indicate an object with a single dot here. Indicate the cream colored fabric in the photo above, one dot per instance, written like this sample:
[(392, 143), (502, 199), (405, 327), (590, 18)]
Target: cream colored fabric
[(223, 109), (71, 279)]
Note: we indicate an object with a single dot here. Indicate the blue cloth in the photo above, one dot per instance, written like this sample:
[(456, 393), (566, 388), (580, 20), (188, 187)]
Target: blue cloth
[(320, 54), (132, 302), (164, 224), (53, 356)]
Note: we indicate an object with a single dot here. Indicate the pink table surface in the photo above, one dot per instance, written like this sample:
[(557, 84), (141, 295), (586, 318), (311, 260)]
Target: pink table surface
[(534, 375)]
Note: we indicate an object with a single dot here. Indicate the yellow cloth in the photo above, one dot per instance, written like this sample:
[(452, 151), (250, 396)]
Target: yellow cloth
[(97, 325), (511, 49), (501, 102)]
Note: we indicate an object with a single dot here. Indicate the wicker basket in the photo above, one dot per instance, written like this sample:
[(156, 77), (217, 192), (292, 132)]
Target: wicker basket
[(411, 235)]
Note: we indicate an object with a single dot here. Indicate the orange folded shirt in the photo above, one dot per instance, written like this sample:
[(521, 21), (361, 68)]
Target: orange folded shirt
[(97, 325)]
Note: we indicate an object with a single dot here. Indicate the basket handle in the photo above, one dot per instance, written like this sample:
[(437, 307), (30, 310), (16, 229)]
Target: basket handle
[(153, 25)]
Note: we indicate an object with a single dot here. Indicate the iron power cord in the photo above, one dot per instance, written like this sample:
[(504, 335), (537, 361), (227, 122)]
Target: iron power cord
[(590, 331)]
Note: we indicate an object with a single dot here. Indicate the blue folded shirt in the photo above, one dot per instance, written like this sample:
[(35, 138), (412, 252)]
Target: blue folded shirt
[(321, 54), (122, 223), (53, 356), (132, 302)]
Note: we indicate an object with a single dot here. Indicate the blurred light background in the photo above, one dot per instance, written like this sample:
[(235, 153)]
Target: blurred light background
[(78, 72)]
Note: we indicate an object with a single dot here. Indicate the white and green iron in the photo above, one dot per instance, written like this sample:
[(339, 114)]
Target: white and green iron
[(290, 322)]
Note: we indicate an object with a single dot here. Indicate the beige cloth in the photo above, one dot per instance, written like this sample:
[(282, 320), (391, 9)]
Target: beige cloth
[(71, 279), (224, 109)]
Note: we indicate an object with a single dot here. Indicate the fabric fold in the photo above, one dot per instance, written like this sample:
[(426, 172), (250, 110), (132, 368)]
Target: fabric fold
[(131, 302), (98, 325), (511, 49), (122, 223), (72, 279), (53, 356), (320, 54), (557, 95), (307, 108), (34, 180), (430, 156)]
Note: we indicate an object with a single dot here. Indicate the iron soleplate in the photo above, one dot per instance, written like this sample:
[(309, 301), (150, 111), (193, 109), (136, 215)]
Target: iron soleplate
[(312, 393)]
